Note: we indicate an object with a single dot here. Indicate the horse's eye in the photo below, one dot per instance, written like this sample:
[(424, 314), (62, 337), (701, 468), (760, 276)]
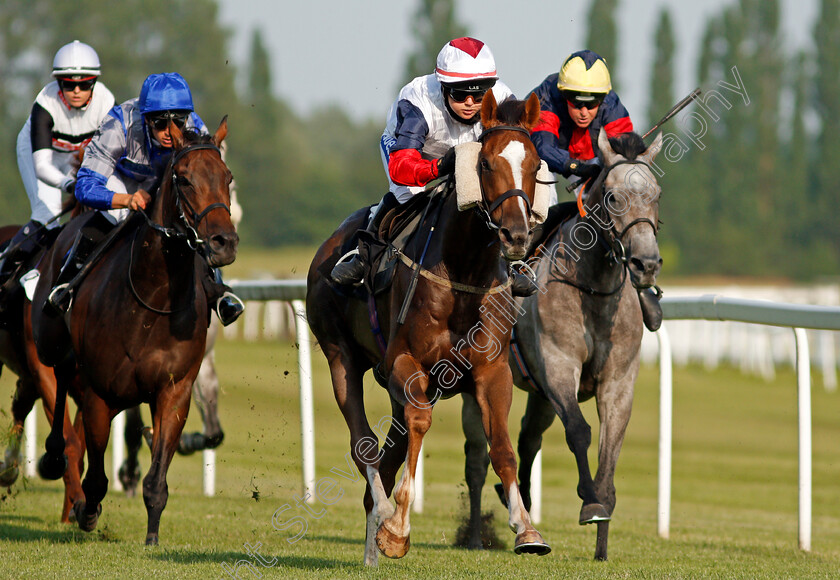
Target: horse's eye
[(182, 181), (485, 165)]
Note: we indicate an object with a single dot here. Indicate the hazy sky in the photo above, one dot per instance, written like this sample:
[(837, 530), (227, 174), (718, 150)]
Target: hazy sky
[(354, 53)]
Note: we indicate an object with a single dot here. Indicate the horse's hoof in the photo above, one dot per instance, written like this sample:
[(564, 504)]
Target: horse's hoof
[(190, 443), (592, 513), (531, 542), (52, 467), (87, 522), (9, 475), (151, 539), (390, 544)]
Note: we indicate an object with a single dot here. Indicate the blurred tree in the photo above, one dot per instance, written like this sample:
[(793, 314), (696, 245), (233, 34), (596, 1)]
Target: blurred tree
[(661, 94), (825, 228), (602, 34), (434, 25)]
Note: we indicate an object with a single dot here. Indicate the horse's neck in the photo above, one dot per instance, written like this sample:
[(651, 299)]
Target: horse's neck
[(593, 265), (469, 250)]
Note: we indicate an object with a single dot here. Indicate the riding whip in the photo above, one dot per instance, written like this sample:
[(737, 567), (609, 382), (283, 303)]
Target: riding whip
[(674, 110)]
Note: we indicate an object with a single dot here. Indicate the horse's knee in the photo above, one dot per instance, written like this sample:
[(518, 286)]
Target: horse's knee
[(578, 436)]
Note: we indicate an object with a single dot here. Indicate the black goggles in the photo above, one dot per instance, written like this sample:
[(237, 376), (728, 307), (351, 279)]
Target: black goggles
[(70, 85), (460, 95), (160, 121), (579, 101)]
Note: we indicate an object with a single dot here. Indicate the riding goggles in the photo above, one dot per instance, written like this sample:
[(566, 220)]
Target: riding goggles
[(160, 121), (460, 95), (580, 100), (70, 85)]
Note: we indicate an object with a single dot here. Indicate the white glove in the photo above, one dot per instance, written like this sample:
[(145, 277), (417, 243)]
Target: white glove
[(68, 185)]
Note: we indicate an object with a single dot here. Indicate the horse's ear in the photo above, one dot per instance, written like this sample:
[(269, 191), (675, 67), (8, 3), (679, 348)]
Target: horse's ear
[(488, 110), (221, 132), (610, 156), (532, 112), (650, 154), (176, 135)]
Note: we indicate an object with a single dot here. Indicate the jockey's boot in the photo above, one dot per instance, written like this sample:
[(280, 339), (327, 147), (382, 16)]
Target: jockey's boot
[(351, 267), (228, 305), (28, 241), (87, 240), (651, 309)]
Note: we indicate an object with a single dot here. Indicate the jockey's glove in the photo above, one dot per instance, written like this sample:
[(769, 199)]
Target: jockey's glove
[(446, 164), (584, 170), (68, 185)]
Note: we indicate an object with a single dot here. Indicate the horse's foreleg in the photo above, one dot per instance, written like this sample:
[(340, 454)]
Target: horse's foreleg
[(493, 392), (409, 383), (538, 417), (97, 420), (475, 466), (170, 415)]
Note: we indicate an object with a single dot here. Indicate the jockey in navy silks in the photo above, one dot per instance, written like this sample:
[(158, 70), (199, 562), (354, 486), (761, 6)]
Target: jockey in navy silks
[(431, 115), (64, 117), (126, 158), (574, 105)]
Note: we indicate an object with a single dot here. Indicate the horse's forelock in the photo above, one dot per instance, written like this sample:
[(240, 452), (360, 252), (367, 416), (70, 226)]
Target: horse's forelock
[(510, 112), (628, 145)]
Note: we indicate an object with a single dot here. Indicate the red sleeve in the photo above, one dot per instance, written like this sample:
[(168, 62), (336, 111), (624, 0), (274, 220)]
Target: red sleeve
[(407, 167), (619, 126), (548, 122)]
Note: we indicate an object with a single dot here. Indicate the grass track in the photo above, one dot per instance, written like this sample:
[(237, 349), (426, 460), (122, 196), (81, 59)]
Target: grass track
[(734, 508)]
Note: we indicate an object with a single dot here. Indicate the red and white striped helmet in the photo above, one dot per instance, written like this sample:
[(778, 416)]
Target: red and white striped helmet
[(463, 60)]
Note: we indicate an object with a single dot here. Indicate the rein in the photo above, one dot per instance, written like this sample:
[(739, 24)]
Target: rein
[(191, 234)]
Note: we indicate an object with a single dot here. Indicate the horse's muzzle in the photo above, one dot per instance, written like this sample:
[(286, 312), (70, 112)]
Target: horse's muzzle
[(643, 270), (515, 242), (222, 249)]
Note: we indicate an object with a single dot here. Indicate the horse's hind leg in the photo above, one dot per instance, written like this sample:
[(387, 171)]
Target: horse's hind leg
[(205, 393), (475, 465), (129, 473), (538, 417), (22, 404), (169, 416)]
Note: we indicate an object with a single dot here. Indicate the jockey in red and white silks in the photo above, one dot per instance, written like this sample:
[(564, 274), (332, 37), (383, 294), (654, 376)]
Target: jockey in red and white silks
[(423, 124)]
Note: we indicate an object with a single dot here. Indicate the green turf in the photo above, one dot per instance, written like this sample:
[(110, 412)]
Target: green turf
[(734, 509)]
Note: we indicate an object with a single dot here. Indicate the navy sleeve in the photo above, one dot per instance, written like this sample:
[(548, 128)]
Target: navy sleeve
[(412, 129)]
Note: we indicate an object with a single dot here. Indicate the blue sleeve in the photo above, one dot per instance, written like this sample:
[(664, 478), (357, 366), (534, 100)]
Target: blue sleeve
[(412, 129), (91, 190)]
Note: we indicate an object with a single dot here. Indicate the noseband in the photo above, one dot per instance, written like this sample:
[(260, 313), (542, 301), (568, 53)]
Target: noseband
[(190, 235), (483, 209)]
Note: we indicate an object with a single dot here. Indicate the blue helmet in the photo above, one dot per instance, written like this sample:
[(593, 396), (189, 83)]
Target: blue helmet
[(165, 92)]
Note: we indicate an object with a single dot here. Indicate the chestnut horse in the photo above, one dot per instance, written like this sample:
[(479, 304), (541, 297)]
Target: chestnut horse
[(580, 335), (35, 381), (138, 324), (454, 337)]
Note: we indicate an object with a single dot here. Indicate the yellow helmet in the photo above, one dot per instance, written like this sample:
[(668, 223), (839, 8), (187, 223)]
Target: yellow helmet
[(585, 72)]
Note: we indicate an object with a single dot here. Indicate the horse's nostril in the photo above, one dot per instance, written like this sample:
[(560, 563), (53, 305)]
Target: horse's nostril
[(637, 264), (506, 235)]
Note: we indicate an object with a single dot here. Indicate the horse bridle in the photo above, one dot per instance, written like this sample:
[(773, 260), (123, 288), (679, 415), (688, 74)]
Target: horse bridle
[(614, 242), (482, 208), (190, 235)]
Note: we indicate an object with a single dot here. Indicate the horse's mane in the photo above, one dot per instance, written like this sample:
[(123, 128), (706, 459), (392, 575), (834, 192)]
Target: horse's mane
[(509, 111), (628, 145), (193, 137)]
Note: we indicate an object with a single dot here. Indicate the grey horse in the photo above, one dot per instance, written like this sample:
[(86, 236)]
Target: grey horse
[(580, 335)]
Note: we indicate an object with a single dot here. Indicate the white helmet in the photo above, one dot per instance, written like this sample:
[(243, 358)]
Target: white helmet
[(463, 60), (76, 59)]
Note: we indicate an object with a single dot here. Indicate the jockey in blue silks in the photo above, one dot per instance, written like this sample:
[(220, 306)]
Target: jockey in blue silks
[(126, 159)]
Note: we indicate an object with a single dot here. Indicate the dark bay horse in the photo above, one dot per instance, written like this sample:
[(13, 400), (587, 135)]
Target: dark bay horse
[(138, 323), (580, 336), (454, 337)]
